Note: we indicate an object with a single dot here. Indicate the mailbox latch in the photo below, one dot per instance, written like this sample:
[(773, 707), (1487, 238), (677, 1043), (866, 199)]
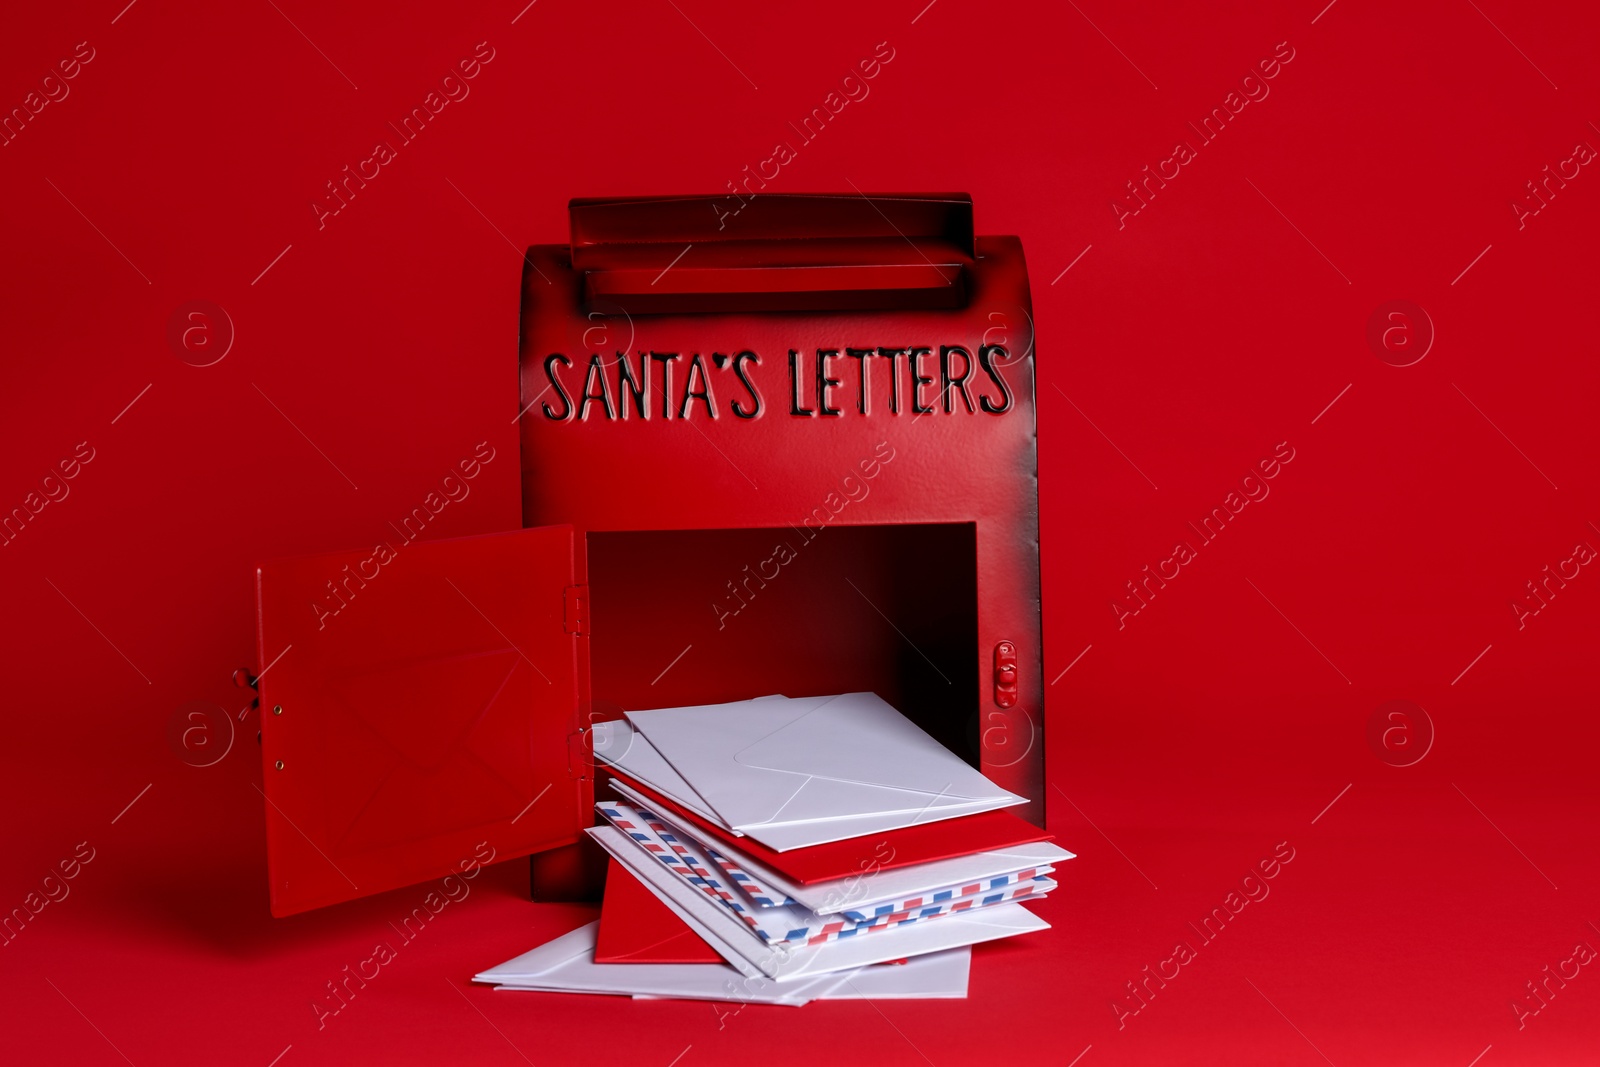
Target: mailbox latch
[(1005, 674), (576, 612)]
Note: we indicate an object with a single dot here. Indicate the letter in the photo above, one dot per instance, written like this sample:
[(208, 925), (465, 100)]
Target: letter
[(666, 360), (761, 168), (722, 216), (1259, 893), (1184, 153), (1135, 992), (1523, 1013), (833, 502), (323, 614), (434, 102), (361, 568), (628, 385), (1161, 569), (17, 121), (1284, 52), (34, 903), (785, 154), (1259, 93), (361, 167), (794, 386), (1176, 967), (460, 91), (469, 68), (1176, 167), (68, 467), (454, 888), (865, 489), (739, 410), (1122, 1013), (1234, 502), (33, 99), (61, 488), (1583, 552), (703, 394), (1534, 992), (1233, 99), (1218, 115), (469, 468), (825, 384), (1533, 191), (879, 52), (84, 52), (1284, 452), (61, 890), (1283, 846), (385, 553), (69, 68), (434, 902), (1561, 168), (348, 578), (1548, 978), (1269, 468), (1124, 613), (1561, 968), (1269, 68), (762, 570), (322, 213), (323, 1013), (834, 98), (348, 978), (785, 553), (1234, 902), (861, 88), (748, 178), (884, 451), (18, 918), (945, 352), (1561, 568), (483, 850), (1583, 152), (986, 362), (1148, 978), (361, 969), (1218, 515), (460, 490), (384, 153), (555, 382), (1220, 916), (1184, 553), (869, 467), (918, 379), (433, 502), (1257, 494), (1269, 868), (34, 502), (59, 93), (1523, 614), (1123, 213), (869, 68), (1583, 952), (486, 54), (69, 868), (384, 953)]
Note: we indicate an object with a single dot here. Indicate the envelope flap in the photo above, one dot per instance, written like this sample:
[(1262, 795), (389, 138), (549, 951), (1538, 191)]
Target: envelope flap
[(846, 740), (416, 703)]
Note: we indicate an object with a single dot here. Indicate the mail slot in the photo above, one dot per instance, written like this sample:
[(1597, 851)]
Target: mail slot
[(788, 449)]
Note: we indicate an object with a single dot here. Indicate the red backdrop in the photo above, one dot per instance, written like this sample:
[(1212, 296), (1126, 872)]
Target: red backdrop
[(1222, 316)]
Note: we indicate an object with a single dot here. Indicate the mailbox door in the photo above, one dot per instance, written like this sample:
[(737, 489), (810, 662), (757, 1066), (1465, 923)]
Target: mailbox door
[(419, 709)]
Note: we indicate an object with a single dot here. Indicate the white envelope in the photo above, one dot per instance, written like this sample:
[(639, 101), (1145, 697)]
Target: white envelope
[(802, 963), (793, 773), (566, 965), (617, 743)]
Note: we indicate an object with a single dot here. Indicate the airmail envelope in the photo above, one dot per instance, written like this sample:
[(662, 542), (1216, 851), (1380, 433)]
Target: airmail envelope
[(793, 773)]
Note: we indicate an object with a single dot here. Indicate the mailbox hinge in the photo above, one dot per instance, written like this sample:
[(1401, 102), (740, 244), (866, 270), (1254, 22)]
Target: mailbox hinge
[(577, 609)]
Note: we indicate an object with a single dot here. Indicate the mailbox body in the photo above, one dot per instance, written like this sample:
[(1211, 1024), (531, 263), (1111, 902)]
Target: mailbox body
[(788, 449)]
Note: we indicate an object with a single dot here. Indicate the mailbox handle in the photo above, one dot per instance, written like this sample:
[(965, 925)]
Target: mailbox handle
[(773, 252)]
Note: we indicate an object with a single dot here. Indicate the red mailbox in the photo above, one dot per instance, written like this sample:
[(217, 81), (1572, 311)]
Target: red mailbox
[(783, 446)]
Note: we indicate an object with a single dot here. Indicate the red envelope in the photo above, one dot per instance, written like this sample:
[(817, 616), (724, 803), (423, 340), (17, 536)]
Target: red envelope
[(906, 847), (635, 927)]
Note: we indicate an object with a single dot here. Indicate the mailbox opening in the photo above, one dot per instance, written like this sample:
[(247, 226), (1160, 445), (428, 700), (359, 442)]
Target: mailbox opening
[(682, 617)]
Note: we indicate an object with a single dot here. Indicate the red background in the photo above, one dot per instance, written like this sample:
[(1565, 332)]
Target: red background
[(1223, 719)]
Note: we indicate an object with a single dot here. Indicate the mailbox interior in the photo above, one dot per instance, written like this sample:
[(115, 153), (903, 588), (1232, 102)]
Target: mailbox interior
[(685, 617)]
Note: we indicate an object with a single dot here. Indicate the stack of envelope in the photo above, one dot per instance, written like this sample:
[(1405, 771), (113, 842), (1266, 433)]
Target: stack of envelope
[(782, 850)]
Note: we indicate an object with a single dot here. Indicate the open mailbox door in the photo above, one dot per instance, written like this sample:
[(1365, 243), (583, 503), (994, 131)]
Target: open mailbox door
[(420, 707)]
